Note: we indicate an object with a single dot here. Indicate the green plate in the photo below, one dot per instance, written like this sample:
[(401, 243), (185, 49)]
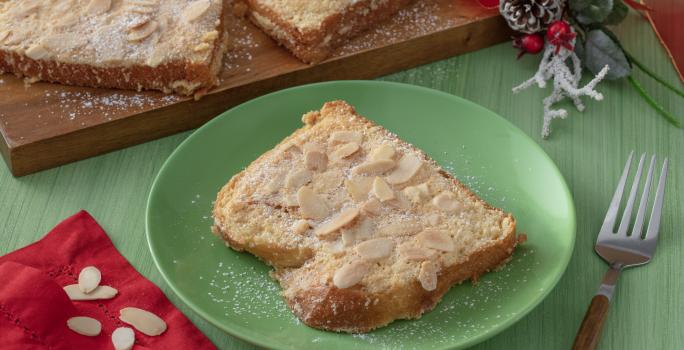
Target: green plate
[(498, 161)]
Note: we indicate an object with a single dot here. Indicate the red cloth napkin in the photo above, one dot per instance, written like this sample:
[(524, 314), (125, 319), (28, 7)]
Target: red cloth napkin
[(34, 308), (666, 17)]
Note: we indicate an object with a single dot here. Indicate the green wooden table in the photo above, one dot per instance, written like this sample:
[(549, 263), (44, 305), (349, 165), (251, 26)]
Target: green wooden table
[(589, 148)]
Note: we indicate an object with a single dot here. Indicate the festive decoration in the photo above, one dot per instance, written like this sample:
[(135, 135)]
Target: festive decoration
[(565, 83), (560, 35), (529, 43), (530, 16), (579, 38)]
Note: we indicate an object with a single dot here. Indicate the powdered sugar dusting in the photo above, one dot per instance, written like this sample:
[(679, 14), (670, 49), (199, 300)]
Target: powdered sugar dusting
[(419, 19)]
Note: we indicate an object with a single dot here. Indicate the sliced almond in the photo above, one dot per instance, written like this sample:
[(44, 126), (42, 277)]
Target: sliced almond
[(298, 178), (359, 187), (143, 320), (345, 150), (336, 248), (348, 237), (381, 190), (406, 227), (275, 184), (345, 137), (375, 249), (88, 279), (210, 36), (434, 219), (351, 274), (143, 32), (428, 276), (85, 325), (99, 293), (342, 219), (195, 10), (417, 194), (407, 168), (96, 7), (314, 157), (37, 52), (371, 207), (311, 205), (364, 229), (4, 35), (384, 151), (301, 226), (138, 22), (436, 239), (123, 338), (447, 201), (374, 167), (201, 47), (413, 253)]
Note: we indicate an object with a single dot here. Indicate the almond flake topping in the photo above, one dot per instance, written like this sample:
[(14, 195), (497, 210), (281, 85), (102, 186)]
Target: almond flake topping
[(298, 178), (195, 10), (374, 167), (346, 137), (96, 7), (436, 239), (37, 52), (407, 167), (311, 205), (413, 253), (382, 190), (314, 157), (375, 249), (384, 151), (428, 276), (143, 32), (350, 274), (345, 150), (344, 218), (371, 207), (447, 201)]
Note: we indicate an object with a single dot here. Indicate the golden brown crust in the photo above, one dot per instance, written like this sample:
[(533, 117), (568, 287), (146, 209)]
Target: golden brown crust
[(356, 309), (312, 46)]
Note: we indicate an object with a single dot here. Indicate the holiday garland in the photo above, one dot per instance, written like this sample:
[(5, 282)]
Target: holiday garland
[(574, 34)]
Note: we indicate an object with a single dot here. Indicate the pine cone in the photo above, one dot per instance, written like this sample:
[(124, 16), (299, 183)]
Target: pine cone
[(531, 16)]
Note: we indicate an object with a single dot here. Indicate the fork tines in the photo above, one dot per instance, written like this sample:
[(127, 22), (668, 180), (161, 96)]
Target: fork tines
[(654, 220)]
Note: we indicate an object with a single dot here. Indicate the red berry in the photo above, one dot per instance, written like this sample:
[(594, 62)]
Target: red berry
[(529, 43), (557, 29), (560, 34)]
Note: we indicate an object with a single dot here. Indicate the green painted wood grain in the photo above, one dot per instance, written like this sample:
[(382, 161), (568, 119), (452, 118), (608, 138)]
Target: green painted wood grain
[(589, 149)]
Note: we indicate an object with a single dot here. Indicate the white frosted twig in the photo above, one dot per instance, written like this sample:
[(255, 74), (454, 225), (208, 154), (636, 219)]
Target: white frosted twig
[(565, 84)]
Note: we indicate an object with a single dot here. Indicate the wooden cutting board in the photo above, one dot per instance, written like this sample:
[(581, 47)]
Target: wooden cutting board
[(45, 125)]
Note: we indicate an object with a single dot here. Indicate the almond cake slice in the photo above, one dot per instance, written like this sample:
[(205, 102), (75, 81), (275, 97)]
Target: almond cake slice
[(312, 29), (361, 227), (169, 45)]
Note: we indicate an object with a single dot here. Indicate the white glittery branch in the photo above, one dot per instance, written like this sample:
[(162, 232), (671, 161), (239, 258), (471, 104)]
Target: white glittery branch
[(565, 84)]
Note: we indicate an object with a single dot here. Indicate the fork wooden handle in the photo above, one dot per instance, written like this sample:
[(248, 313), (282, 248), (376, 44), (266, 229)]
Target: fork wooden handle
[(589, 333)]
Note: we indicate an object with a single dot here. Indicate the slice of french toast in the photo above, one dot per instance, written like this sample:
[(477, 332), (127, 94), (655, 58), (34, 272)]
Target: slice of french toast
[(361, 227)]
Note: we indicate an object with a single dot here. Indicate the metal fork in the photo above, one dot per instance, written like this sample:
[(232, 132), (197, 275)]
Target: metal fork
[(621, 250)]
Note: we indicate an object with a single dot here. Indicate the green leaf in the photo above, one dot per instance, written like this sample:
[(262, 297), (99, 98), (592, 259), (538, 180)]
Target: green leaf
[(618, 13), (600, 51), (591, 11)]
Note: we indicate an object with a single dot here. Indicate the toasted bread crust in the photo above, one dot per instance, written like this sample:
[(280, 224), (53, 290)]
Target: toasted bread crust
[(313, 46), (355, 309)]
